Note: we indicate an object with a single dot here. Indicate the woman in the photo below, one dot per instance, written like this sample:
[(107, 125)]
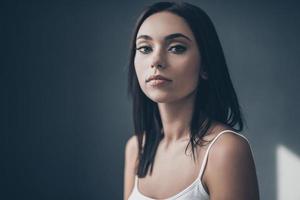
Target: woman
[(185, 110)]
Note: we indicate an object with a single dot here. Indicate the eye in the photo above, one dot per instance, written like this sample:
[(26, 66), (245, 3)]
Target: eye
[(177, 49), (144, 49)]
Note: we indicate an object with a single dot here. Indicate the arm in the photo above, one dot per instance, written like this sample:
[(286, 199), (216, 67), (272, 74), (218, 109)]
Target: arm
[(231, 173), (131, 153)]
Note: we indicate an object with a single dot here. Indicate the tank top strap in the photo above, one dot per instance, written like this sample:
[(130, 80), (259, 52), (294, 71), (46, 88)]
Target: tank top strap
[(203, 165)]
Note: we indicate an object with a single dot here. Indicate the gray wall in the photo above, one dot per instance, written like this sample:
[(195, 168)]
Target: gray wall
[(65, 115)]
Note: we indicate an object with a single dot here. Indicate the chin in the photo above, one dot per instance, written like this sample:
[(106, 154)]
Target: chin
[(168, 97), (160, 98)]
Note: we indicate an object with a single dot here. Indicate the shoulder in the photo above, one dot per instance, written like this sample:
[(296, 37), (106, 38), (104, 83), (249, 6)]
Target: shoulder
[(230, 149), (231, 168), (228, 141), (230, 145), (131, 143), (131, 149), (131, 155)]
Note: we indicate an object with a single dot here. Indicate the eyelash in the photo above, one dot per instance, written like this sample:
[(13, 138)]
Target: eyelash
[(183, 49)]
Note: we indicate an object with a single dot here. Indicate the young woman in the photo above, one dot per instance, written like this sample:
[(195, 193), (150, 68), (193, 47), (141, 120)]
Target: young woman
[(185, 112)]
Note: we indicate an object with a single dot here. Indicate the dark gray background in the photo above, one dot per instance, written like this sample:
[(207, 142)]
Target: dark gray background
[(65, 115)]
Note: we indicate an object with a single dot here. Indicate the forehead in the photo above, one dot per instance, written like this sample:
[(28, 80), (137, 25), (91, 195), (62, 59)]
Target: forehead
[(164, 23)]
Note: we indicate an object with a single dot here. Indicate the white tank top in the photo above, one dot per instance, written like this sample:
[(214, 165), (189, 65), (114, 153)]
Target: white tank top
[(194, 191)]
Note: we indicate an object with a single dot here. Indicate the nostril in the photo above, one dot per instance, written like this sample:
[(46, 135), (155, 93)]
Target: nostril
[(157, 65)]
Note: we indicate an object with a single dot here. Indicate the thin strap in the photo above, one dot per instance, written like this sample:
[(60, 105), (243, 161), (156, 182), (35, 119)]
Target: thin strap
[(210, 145)]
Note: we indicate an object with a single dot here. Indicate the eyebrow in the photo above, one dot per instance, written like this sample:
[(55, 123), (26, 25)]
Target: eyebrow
[(168, 37)]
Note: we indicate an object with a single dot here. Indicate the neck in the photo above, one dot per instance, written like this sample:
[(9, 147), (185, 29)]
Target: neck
[(176, 118)]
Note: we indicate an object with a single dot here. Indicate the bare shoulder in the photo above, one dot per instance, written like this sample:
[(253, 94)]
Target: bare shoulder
[(131, 149), (130, 167), (132, 144), (231, 169), (230, 145), (226, 141)]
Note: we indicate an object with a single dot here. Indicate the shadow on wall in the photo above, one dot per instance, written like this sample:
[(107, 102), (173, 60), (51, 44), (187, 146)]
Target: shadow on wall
[(288, 174)]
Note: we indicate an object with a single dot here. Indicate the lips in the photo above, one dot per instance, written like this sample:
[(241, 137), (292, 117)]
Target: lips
[(157, 77)]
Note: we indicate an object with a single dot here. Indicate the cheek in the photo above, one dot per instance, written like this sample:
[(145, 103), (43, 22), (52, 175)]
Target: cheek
[(139, 66), (188, 70)]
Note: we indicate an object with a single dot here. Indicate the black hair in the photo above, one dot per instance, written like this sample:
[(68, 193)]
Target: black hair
[(216, 99)]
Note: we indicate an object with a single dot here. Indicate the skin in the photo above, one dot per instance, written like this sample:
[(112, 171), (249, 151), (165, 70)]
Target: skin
[(230, 170)]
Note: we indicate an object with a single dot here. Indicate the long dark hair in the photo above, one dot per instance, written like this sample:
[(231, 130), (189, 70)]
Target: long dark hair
[(215, 100)]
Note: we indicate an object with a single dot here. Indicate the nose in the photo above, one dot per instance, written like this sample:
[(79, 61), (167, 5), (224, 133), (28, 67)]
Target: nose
[(158, 60), (157, 66)]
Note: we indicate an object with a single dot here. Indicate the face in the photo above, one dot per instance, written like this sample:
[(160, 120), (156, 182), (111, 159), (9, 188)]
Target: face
[(165, 46)]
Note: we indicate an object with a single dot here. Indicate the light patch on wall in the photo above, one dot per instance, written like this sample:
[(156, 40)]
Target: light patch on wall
[(288, 174)]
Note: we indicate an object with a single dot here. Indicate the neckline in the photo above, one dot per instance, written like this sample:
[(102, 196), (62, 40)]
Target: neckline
[(186, 189), (195, 181), (175, 195)]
